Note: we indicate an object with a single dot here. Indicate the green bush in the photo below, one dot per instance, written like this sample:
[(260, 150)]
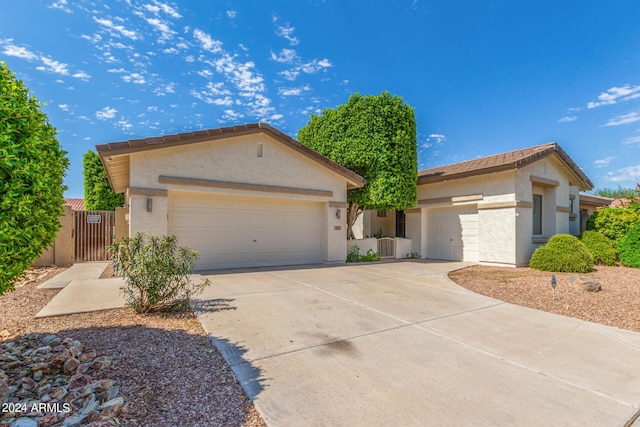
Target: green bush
[(613, 223), (354, 255), (629, 247), (156, 273), (32, 166), (601, 248), (563, 253), (98, 195)]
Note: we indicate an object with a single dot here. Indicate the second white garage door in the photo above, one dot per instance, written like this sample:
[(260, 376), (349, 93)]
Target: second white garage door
[(452, 233), (244, 231)]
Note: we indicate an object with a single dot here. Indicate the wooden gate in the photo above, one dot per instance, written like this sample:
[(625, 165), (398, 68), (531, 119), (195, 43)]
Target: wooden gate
[(93, 232)]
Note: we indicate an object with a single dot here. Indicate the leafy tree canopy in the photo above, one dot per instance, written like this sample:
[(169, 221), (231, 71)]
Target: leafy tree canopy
[(98, 194), (374, 136), (617, 193), (32, 166)]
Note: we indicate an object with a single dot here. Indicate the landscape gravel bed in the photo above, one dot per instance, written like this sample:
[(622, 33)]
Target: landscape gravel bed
[(167, 370), (615, 305)]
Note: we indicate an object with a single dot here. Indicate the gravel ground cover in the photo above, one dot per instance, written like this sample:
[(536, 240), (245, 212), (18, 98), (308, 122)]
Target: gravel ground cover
[(618, 304), (168, 371)]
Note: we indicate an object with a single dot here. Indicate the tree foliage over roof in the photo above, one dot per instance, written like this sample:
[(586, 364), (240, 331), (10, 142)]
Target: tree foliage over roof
[(32, 167), (98, 194), (374, 136)]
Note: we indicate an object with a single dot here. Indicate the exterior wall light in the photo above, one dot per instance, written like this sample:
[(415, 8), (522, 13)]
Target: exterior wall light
[(338, 213), (149, 204)]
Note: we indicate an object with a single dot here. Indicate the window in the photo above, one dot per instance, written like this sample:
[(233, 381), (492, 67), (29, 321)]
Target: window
[(571, 205), (382, 214), (537, 214)]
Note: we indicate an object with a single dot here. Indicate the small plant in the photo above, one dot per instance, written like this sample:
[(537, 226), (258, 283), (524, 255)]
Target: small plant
[(354, 255), (412, 255), (156, 273), (378, 234), (563, 253), (600, 247), (629, 247)]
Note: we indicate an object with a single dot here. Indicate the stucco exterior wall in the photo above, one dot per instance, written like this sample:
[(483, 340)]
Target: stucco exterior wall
[(497, 231), (61, 252), (496, 187), (256, 159), (555, 203)]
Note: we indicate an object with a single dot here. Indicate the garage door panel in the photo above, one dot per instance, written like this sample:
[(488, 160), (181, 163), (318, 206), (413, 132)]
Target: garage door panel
[(237, 231)]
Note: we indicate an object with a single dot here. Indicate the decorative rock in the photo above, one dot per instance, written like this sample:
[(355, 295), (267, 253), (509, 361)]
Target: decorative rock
[(35, 374), (4, 390), (24, 422), (589, 284), (79, 380), (111, 408), (70, 366)]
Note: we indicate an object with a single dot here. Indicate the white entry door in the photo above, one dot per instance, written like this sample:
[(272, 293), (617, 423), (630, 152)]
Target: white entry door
[(452, 233)]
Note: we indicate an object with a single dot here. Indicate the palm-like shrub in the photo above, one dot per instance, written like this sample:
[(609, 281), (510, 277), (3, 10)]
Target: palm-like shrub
[(601, 248), (563, 253), (156, 273), (629, 247)]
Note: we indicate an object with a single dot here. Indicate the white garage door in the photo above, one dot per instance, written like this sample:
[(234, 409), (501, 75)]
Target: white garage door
[(452, 233), (243, 231)]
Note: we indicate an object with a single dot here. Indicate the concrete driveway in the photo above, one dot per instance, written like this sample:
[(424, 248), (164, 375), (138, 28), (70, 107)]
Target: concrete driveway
[(400, 344)]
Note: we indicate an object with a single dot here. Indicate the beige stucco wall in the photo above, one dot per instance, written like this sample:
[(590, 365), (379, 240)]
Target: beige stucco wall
[(554, 221), (61, 252), (496, 187), (122, 223), (236, 160)]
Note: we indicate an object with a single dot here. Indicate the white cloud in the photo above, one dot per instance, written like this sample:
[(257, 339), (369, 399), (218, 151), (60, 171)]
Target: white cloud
[(124, 124), (232, 115), (217, 89), (81, 75), (623, 119), (205, 73), (615, 95), (171, 50), (162, 90), (567, 119), (315, 66), (17, 51), (629, 173), (53, 66), (290, 75), (295, 91), (61, 5), (116, 30), (286, 56), (601, 163), (135, 78), (438, 138), (231, 13), (168, 10), (632, 140), (106, 113), (63, 107), (286, 32), (166, 33), (206, 42)]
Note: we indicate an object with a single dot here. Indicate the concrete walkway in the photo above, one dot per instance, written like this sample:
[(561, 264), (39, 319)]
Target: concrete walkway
[(79, 271), (400, 344), (82, 291)]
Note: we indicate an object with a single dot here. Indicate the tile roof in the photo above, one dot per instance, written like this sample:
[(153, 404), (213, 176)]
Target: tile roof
[(76, 204), (113, 149), (501, 162)]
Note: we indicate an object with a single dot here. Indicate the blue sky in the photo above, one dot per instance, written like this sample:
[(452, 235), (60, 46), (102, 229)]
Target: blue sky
[(483, 76)]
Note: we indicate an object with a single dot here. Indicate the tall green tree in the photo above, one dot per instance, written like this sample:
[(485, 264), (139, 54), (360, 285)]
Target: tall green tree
[(32, 167), (98, 195), (374, 136), (617, 193)]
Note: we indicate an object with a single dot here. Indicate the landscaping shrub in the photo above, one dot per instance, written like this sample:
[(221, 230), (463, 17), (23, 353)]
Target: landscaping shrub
[(613, 223), (156, 273), (354, 255), (32, 165), (629, 247), (601, 248), (563, 253)]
